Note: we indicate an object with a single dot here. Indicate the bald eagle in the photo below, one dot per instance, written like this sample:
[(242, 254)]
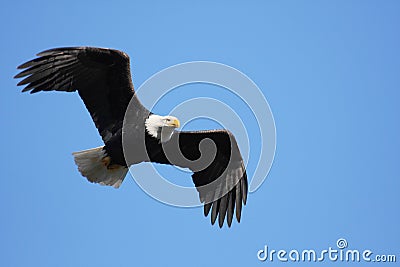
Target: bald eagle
[(102, 79)]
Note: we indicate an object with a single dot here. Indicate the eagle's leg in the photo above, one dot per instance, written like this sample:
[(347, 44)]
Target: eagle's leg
[(107, 163)]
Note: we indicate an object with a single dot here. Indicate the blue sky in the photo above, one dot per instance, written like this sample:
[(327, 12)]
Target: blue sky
[(330, 72)]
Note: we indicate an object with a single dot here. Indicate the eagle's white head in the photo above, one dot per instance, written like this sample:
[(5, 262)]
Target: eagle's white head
[(161, 127)]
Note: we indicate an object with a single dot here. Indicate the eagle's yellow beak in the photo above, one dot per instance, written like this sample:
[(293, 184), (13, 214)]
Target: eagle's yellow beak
[(175, 123)]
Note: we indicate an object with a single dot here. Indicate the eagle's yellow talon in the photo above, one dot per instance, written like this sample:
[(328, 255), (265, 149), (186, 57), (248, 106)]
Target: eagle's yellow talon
[(106, 161)]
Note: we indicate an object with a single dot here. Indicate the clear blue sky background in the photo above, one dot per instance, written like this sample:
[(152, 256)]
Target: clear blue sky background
[(330, 71)]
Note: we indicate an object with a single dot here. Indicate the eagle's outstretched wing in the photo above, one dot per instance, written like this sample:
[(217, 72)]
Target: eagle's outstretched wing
[(218, 169), (101, 76)]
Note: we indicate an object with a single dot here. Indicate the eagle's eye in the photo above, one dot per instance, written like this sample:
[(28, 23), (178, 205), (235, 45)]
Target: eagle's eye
[(168, 120)]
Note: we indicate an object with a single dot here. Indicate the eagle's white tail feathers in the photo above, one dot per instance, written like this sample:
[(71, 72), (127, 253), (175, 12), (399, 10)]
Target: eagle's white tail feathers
[(91, 165)]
